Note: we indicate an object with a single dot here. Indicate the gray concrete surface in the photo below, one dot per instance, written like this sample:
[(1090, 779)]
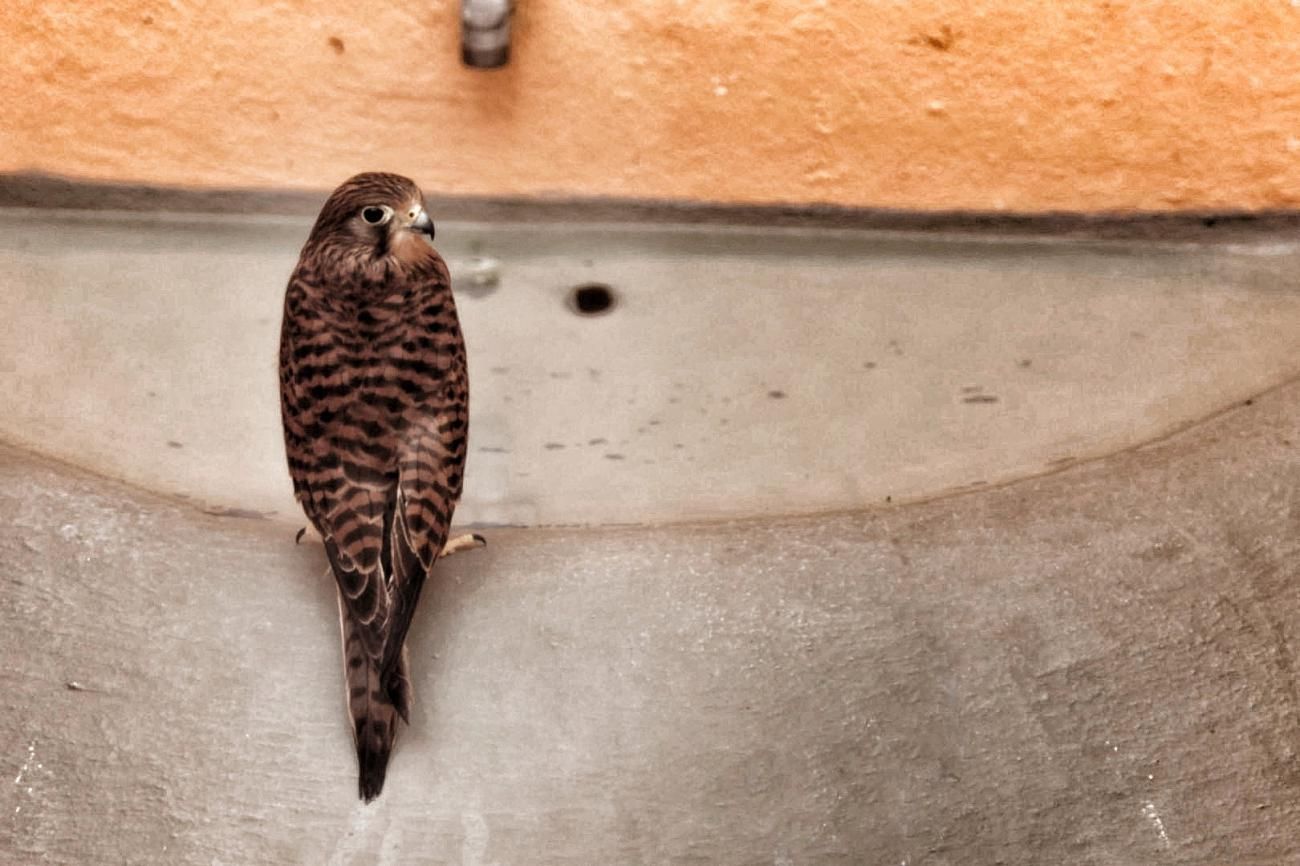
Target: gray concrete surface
[(742, 372), (1093, 667)]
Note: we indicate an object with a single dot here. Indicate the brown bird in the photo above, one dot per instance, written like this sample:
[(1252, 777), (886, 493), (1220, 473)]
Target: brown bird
[(374, 395)]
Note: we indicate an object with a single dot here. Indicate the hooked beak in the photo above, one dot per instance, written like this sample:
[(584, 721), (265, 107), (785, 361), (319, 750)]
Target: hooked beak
[(422, 223)]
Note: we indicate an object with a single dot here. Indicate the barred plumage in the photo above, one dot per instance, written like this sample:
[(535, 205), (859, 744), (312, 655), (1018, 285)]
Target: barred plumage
[(375, 403)]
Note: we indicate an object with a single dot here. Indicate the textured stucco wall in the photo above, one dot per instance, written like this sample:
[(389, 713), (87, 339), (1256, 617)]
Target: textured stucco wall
[(981, 104)]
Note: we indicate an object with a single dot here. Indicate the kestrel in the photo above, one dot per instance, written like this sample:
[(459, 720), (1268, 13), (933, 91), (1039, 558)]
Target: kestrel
[(374, 397)]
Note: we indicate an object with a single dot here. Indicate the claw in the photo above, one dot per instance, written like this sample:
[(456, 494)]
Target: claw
[(469, 541)]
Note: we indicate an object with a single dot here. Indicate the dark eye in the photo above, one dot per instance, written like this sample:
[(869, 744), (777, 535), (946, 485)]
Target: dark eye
[(374, 215)]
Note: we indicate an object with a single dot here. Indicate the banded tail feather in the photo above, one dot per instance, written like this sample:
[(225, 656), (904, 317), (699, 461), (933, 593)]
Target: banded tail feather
[(373, 705)]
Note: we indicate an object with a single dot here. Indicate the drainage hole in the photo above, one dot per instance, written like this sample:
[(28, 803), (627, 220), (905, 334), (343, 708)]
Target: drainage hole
[(592, 299)]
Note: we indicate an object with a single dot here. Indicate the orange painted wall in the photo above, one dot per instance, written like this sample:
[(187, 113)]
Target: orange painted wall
[(1018, 104)]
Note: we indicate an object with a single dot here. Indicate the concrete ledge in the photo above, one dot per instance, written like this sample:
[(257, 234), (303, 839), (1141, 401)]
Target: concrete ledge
[(741, 371)]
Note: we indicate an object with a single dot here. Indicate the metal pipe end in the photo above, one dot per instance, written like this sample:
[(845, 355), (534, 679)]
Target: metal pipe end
[(485, 33), (485, 58)]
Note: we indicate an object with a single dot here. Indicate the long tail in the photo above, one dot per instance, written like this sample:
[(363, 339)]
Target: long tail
[(373, 706)]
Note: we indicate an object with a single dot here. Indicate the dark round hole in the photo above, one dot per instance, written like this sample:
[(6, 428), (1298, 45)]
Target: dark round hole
[(592, 299)]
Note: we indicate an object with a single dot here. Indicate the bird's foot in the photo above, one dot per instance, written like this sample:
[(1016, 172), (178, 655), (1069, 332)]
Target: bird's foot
[(468, 541)]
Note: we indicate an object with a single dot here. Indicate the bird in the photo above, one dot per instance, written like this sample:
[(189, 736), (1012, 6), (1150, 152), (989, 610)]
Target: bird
[(374, 399)]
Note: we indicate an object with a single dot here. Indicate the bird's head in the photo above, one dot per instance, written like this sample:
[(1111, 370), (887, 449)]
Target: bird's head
[(373, 221)]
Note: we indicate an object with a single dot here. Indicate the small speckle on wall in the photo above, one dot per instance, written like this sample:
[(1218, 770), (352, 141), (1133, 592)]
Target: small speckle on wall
[(22, 781), (1150, 812)]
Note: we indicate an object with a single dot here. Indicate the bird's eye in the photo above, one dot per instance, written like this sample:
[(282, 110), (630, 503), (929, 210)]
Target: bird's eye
[(375, 215)]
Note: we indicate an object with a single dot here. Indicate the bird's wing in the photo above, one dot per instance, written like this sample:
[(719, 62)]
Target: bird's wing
[(354, 532), (342, 479), (351, 515), (428, 486)]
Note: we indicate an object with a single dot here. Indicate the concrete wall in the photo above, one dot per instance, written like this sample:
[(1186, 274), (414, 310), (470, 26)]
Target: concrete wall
[(986, 104)]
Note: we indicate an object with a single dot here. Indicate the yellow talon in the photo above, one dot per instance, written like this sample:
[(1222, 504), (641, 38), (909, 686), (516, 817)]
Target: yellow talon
[(468, 541)]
